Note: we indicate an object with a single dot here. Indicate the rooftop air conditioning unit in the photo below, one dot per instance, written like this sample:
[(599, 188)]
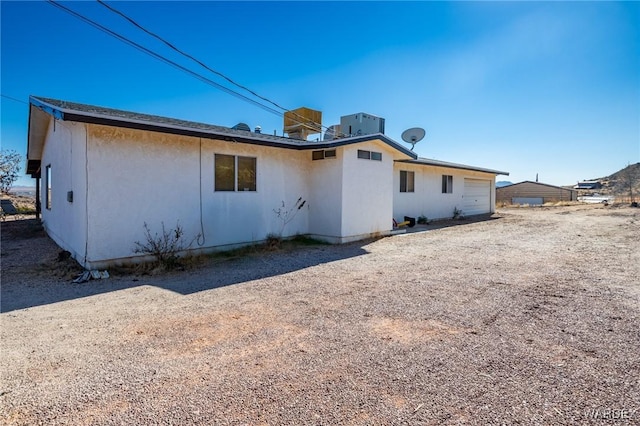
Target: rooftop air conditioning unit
[(361, 124)]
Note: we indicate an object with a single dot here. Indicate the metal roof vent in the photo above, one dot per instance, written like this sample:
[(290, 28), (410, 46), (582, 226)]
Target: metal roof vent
[(258, 129), (242, 126)]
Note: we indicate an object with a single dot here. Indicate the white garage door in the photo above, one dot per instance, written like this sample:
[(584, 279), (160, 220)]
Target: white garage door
[(477, 197)]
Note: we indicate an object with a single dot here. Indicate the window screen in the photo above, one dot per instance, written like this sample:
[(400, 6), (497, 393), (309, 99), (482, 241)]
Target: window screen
[(225, 172), (246, 174)]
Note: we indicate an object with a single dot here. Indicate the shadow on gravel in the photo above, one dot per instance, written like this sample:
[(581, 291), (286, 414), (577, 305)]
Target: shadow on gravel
[(257, 266), (39, 278), (31, 269), (447, 223)]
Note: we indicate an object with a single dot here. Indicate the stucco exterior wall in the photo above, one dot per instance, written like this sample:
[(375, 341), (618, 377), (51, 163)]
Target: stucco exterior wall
[(66, 221), (325, 199), (139, 176), (428, 199), (123, 178), (232, 217), (367, 197)]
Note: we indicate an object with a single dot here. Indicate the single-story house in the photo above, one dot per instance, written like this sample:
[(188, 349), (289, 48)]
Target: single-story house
[(102, 174), (534, 193)]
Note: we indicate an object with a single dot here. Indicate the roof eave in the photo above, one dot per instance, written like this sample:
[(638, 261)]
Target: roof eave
[(425, 162), (93, 118)]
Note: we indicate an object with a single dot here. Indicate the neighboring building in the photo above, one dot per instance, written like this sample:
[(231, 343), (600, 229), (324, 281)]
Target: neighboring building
[(588, 184), (533, 193), (105, 173)]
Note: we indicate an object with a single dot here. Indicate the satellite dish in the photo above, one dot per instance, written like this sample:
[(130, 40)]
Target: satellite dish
[(413, 136)]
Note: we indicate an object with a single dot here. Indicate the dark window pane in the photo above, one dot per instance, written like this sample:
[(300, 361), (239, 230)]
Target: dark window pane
[(317, 155), (376, 156), (364, 154), (447, 184), (246, 174), (225, 172), (403, 181), (410, 181), (330, 153)]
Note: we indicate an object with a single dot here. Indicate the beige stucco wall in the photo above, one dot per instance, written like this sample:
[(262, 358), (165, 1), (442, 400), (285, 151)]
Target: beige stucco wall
[(367, 191), (65, 150), (428, 199), (139, 177), (124, 178), (325, 199)]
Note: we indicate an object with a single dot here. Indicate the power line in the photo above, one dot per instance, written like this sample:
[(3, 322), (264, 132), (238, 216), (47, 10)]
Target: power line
[(162, 58), (300, 119), (14, 99), (183, 53)]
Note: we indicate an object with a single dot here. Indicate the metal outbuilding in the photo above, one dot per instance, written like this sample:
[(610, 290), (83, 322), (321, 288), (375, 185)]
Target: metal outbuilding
[(534, 193)]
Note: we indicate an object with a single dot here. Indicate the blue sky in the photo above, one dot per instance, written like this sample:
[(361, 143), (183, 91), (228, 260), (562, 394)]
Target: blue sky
[(551, 88)]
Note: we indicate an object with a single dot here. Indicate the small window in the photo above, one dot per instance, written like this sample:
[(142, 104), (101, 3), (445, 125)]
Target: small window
[(365, 155), (322, 154), (225, 173), (235, 173), (447, 184), (369, 155), (407, 181), (47, 184)]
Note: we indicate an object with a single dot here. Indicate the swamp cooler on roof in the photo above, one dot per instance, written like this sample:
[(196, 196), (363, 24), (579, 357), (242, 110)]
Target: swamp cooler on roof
[(361, 124)]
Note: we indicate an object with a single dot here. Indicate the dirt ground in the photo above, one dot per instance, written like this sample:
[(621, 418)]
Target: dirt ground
[(530, 317)]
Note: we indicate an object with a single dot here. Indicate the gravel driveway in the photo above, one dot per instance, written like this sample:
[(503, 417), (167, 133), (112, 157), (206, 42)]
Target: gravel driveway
[(528, 318)]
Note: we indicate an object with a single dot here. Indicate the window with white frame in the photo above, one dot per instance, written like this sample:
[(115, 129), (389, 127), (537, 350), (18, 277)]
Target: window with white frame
[(234, 173), (447, 184), (407, 181)]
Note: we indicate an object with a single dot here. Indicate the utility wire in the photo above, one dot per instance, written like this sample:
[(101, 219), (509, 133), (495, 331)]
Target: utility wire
[(14, 99), (183, 53), (162, 58), (202, 64)]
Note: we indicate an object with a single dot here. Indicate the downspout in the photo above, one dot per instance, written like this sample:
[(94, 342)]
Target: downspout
[(86, 193)]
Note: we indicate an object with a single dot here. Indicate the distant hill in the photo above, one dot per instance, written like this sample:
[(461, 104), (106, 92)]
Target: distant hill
[(24, 190), (502, 183), (618, 182)]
